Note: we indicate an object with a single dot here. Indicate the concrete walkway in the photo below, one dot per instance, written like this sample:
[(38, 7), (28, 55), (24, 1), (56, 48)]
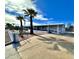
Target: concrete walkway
[(47, 46)]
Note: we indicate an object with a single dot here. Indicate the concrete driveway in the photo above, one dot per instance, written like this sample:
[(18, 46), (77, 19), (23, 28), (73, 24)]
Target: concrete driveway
[(48, 46)]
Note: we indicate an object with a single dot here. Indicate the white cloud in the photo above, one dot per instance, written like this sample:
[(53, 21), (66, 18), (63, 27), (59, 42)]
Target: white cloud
[(19, 4), (28, 23), (40, 17), (12, 19)]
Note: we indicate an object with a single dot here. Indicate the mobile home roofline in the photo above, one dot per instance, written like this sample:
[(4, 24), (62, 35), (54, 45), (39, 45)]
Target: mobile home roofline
[(47, 25)]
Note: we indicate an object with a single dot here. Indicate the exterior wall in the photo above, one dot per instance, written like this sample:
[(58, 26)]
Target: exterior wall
[(40, 28)]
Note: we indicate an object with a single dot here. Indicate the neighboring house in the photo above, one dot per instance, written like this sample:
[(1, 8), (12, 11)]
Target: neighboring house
[(70, 28)]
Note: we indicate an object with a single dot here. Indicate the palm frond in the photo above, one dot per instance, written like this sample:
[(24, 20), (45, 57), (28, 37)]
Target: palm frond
[(25, 12), (19, 17), (32, 12)]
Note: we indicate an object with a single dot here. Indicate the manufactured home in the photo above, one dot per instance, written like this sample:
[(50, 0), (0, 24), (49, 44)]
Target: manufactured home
[(53, 28)]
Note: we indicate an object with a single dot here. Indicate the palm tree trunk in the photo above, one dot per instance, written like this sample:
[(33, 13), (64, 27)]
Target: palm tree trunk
[(21, 29), (31, 25)]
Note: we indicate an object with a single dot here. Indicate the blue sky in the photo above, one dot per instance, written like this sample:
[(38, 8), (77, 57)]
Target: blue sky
[(49, 11), (60, 10)]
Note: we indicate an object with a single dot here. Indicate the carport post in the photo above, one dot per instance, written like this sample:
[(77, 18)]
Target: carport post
[(57, 29)]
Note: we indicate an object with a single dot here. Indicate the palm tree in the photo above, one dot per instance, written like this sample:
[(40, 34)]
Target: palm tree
[(21, 26), (31, 13)]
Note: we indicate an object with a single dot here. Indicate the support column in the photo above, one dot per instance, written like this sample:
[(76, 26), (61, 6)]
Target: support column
[(63, 29), (49, 29), (57, 29)]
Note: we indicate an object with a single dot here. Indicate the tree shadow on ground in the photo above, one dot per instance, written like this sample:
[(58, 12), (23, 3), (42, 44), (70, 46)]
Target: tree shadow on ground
[(55, 48), (67, 34), (44, 38), (36, 45), (25, 39), (58, 39), (49, 40), (46, 41), (69, 46)]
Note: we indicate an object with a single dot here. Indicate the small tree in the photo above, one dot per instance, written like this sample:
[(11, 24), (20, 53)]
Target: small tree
[(9, 26)]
